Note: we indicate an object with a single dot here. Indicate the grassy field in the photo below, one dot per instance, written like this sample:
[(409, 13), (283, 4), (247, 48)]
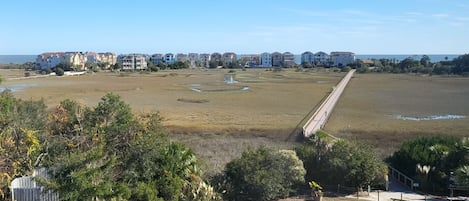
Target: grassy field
[(217, 120), (371, 103)]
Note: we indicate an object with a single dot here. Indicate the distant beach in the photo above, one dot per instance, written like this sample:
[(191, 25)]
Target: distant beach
[(18, 59)]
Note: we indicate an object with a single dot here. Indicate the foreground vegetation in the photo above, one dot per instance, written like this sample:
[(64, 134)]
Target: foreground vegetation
[(106, 152), (436, 163), (103, 152)]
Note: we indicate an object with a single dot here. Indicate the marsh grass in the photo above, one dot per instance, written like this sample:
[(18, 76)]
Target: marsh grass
[(367, 108)]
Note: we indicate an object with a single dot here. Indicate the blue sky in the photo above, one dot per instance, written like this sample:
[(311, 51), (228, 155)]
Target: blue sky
[(242, 26)]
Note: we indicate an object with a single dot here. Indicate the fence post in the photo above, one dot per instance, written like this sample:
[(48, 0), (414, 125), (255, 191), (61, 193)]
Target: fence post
[(358, 196)]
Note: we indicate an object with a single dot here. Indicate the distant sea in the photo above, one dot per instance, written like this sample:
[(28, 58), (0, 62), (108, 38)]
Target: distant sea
[(17, 59), (398, 57), (6, 59)]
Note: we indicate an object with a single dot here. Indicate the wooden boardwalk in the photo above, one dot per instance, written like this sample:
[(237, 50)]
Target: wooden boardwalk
[(320, 116)]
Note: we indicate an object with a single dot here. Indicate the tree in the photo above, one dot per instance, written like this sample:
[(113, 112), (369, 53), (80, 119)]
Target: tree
[(263, 174), (440, 155), (441, 69), (152, 67), (462, 176), (117, 66), (21, 124), (333, 162), (461, 65), (85, 176), (407, 63), (59, 71), (107, 153), (355, 163), (64, 65), (425, 61), (213, 64), (92, 66), (103, 65)]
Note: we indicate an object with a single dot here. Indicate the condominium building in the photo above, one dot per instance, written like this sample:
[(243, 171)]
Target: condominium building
[(156, 58), (75, 59), (216, 57), (251, 60), (277, 59), (106, 58), (288, 60), (266, 60), (342, 58), (193, 59), (307, 58), (181, 57), (321, 58), (169, 58), (132, 61), (229, 57), (48, 60), (51, 59), (204, 59)]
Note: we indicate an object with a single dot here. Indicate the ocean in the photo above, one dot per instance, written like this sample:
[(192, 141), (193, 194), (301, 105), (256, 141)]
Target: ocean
[(400, 57), (18, 59)]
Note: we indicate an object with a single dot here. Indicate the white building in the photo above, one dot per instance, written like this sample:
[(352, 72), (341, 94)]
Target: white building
[(132, 61), (342, 58), (307, 58), (169, 58), (48, 60), (266, 60)]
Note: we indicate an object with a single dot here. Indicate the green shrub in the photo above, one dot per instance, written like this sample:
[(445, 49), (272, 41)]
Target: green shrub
[(263, 174), (59, 71), (430, 160)]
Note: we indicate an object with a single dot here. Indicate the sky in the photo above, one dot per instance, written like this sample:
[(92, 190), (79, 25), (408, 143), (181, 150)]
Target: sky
[(241, 26)]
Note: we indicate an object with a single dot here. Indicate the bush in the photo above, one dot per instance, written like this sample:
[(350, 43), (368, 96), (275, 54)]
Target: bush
[(342, 162), (59, 71), (430, 160), (263, 174)]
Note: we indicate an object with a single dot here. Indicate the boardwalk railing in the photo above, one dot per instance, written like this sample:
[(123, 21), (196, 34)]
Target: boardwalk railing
[(319, 118), (402, 178)]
